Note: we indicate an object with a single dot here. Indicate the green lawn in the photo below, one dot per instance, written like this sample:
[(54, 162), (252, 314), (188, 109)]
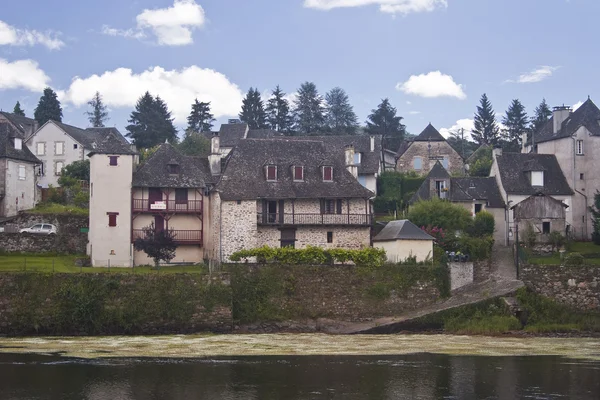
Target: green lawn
[(53, 208), (66, 264), (589, 250)]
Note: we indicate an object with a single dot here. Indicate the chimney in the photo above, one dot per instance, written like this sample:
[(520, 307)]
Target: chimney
[(559, 115), (497, 151), (214, 159), (350, 166), (136, 157), (524, 140), (372, 143), (215, 147)]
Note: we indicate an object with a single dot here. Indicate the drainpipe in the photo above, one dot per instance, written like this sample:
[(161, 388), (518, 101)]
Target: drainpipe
[(506, 216), (577, 191), (220, 231)]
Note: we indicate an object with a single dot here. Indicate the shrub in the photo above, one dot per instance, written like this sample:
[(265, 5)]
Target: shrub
[(574, 259), (483, 224), (529, 236), (478, 248), (440, 213), (556, 239)]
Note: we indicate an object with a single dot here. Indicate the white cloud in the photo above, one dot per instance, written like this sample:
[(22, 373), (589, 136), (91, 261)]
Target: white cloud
[(9, 35), (386, 6), (122, 88), (172, 26), (467, 124), (537, 75), (414, 112), (409, 102), (577, 105), (433, 84), (22, 74)]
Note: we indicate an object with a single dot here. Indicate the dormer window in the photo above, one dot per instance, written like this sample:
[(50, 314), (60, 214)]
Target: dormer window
[(173, 169), (18, 144), (357, 158), (298, 173), (537, 178), (271, 173), (327, 174)]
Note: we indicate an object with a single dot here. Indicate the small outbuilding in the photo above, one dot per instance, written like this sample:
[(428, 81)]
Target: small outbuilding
[(402, 239)]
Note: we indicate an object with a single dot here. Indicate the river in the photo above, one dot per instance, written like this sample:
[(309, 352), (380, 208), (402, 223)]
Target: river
[(299, 367)]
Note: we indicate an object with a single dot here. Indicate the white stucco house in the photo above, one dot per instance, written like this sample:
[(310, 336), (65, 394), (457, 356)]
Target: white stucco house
[(402, 239)]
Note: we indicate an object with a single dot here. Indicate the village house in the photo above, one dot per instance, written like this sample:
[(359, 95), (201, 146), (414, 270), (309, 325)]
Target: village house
[(26, 126), (574, 138), (402, 239), (420, 154)]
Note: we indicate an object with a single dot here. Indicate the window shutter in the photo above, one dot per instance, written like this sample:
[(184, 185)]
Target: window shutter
[(339, 206), (322, 206)]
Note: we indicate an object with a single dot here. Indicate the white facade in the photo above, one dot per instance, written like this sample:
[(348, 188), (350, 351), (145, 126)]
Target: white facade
[(399, 250), (19, 187)]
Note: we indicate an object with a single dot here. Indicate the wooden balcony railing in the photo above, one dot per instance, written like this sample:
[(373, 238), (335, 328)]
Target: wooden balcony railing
[(314, 219), (181, 236), (145, 205)]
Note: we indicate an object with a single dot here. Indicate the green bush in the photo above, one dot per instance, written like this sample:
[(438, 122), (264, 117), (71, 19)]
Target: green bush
[(529, 235), (483, 224), (478, 248), (574, 259), (556, 239), (440, 213), (395, 190), (482, 326)]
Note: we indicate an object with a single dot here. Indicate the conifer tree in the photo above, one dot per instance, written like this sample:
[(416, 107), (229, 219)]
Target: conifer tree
[(150, 123), (278, 112), (308, 110), (340, 117), (253, 110), (200, 118), (486, 129), (383, 121), (541, 115), (516, 123), (18, 110), (48, 108), (99, 114)]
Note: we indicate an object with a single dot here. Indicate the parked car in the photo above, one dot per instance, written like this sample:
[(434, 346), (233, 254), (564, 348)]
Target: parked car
[(43, 229)]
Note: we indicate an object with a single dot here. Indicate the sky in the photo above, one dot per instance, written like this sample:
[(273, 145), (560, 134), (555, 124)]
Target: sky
[(432, 58)]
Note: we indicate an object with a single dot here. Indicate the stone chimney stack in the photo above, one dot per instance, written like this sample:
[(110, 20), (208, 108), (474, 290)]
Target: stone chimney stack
[(214, 159), (372, 143), (350, 166), (559, 115)]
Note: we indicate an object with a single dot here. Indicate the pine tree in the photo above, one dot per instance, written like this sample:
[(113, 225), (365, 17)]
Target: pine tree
[(542, 114), (308, 110), (18, 110), (200, 119), (253, 110), (98, 115), (383, 121), (151, 123), (486, 128), (517, 123), (340, 117), (48, 108), (278, 112)]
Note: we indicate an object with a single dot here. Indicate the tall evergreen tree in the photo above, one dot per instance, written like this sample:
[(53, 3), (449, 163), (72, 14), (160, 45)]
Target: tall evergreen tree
[(18, 110), (48, 108), (150, 123), (308, 110), (340, 117), (278, 112), (99, 114), (541, 115), (517, 123), (200, 119), (486, 129), (383, 121), (253, 110)]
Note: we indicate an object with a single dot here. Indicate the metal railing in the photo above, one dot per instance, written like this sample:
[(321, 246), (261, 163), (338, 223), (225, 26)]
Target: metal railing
[(189, 206), (180, 236), (313, 219)]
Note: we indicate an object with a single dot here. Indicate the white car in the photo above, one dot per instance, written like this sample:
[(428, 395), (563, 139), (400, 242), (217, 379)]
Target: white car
[(43, 229)]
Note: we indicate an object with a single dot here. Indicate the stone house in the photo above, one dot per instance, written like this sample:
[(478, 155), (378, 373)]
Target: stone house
[(402, 239), (26, 126), (17, 172), (573, 137), (58, 145), (473, 193), (543, 213), (288, 192), (520, 176), (421, 154)]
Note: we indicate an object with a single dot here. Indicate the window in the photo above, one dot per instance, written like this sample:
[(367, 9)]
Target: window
[(357, 158), (59, 148), (581, 176), (362, 180), (113, 160), (478, 208), (298, 174), (327, 174), (75, 146), (537, 178), (18, 144), (331, 206), (112, 218), (173, 169), (417, 163), (288, 238), (271, 173), (58, 167), (21, 172), (181, 196), (329, 237), (580, 147), (545, 227), (445, 162), (40, 148)]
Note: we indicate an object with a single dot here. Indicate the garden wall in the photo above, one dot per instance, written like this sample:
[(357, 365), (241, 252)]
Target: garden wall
[(576, 286)]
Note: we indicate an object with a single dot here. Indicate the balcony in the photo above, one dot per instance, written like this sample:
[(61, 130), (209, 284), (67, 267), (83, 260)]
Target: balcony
[(279, 219), (181, 236), (167, 206)]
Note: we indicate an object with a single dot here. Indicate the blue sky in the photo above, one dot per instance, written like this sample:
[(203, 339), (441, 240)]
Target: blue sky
[(432, 58)]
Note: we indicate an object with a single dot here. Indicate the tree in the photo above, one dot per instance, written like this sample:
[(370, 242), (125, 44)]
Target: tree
[(151, 123), (461, 143), (517, 123), (18, 110), (78, 170), (308, 110), (195, 144), (253, 110), (440, 213), (480, 163), (200, 119), (340, 117), (542, 114), (48, 108), (278, 112), (595, 210), (157, 244), (486, 129), (383, 121), (99, 114)]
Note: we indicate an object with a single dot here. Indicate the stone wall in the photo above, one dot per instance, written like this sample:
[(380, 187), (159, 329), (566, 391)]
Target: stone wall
[(481, 270), (578, 287), (438, 149), (238, 226), (461, 274)]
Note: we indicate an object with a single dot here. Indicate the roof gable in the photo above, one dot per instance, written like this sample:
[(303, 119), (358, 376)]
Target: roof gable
[(402, 230), (7, 146), (231, 134), (587, 115), (430, 134)]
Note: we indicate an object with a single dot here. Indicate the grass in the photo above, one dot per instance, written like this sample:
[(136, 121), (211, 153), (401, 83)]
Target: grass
[(66, 264), (53, 208), (482, 326), (589, 250)]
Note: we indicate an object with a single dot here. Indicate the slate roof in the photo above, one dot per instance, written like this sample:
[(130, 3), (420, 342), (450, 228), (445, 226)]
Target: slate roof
[(244, 176), (194, 172), (429, 134), (514, 168), (263, 134), (86, 138), (231, 134), (587, 115), (105, 132), (21, 123), (403, 230), (7, 145), (107, 141), (403, 147)]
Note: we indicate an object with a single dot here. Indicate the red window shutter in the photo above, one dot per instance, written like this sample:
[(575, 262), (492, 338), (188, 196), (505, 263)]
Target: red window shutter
[(339, 206), (113, 160), (327, 173), (112, 219), (298, 173), (271, 173)]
